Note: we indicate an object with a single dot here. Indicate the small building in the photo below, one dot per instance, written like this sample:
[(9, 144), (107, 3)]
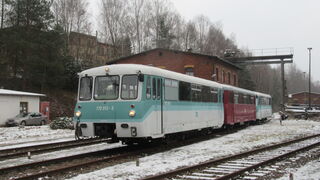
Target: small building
[(302, 98), (200, 65), (14, 102)]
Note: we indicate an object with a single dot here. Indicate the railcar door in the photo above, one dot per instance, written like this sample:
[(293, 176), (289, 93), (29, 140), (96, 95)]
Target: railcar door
[(158, 103), (228, 107)]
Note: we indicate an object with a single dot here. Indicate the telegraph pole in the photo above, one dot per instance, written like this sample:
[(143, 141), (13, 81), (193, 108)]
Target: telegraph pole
[(309, 49), (283, 87)]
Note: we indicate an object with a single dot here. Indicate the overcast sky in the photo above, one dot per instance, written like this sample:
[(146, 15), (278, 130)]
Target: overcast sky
[(264, 24)]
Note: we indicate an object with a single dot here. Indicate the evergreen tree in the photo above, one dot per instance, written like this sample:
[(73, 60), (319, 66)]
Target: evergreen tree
[(34, 55)]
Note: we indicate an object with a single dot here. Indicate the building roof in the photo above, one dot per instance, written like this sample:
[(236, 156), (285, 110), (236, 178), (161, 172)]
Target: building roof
[(18, 93), (304, 92), (176, 51)]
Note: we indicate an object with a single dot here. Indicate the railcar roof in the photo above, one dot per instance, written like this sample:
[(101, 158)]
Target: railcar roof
[(117, 69), (262, 94), (241, 90), (246, 91)]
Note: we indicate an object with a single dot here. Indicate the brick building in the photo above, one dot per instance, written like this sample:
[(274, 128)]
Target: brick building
[(303, 98), (87, 48), (194, 64)]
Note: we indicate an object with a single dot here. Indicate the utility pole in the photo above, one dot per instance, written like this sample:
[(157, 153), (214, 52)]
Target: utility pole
[(309, 49), (304, 89), (283, 86)]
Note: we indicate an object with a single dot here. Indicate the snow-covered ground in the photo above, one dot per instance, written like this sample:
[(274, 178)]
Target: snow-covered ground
[(251, 137), (29, 135), (248, 138), (52, 155), (311, 171)]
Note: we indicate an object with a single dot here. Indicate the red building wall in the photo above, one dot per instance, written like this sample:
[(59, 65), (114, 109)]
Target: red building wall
[(203, 66)]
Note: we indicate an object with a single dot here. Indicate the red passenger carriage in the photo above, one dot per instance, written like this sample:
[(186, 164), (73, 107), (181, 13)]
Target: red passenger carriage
[(239, 107)]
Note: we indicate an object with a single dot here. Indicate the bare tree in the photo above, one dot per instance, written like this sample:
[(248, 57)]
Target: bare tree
[(137, 10), (114, 14), (202, 25), (72, 15)]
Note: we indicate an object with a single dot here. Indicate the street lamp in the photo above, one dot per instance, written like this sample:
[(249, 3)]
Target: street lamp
[(309, 49), (304, 89)]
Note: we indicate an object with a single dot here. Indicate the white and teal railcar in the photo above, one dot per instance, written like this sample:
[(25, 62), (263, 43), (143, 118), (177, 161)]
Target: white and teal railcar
[(263, 106), (130, 102)]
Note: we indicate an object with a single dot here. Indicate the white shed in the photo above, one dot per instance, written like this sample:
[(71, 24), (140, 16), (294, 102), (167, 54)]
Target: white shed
[(15, 102)]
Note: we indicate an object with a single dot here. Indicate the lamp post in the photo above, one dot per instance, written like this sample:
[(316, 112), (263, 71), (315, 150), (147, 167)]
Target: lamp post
[(304, 89), (309, 49)]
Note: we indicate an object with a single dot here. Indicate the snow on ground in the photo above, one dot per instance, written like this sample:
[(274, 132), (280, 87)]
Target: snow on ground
[(32, 135), (248, 138), (310, 171), (52, 155)]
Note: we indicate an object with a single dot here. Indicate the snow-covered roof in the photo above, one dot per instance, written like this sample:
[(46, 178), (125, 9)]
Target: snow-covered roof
[(304, 92), (18, 93)]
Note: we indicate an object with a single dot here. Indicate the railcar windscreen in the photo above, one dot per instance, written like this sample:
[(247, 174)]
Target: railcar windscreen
[(106, 87), (85, 91), (129, 89)]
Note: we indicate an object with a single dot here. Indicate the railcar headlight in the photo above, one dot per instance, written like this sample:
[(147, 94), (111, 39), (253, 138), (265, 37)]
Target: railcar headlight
[(78, 113), (107, 69), (132, 113)]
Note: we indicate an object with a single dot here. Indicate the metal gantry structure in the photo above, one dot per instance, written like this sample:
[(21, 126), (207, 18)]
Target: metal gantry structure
[(280, 56)]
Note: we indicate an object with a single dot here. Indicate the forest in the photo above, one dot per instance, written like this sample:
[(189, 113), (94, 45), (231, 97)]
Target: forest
[(34, 52)]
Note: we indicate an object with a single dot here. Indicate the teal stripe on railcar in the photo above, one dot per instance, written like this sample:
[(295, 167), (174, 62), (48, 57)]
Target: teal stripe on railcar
[(264, 107), (118, 111)]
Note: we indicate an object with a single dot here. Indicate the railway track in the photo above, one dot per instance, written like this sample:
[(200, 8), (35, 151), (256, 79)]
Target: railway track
[(58, 166), (46, 167), (247, 165), (36, 149)]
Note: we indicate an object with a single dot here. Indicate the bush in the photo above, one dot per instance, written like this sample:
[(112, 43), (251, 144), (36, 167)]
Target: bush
[(62, 123)]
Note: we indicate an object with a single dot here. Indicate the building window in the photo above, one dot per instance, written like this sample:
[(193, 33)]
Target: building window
[(189, 70), (223, 76), (234, 80), (229, 78), (217, 74), (23, 107)]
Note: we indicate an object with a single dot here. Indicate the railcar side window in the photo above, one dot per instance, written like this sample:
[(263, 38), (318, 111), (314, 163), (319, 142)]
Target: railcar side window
[(158, 88), (171, 90), (196, 93), (206, 96), (214, 94), (184, 91), (154, 88), (148, 89), (106, 87), (245, 99), (85, 91), (231, 98), (129, 88), (251, 99), (270, 101), (236, 98)]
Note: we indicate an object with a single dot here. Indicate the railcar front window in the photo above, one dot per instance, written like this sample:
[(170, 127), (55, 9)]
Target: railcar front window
[(129, 87), (85, 91), (106, 88)]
